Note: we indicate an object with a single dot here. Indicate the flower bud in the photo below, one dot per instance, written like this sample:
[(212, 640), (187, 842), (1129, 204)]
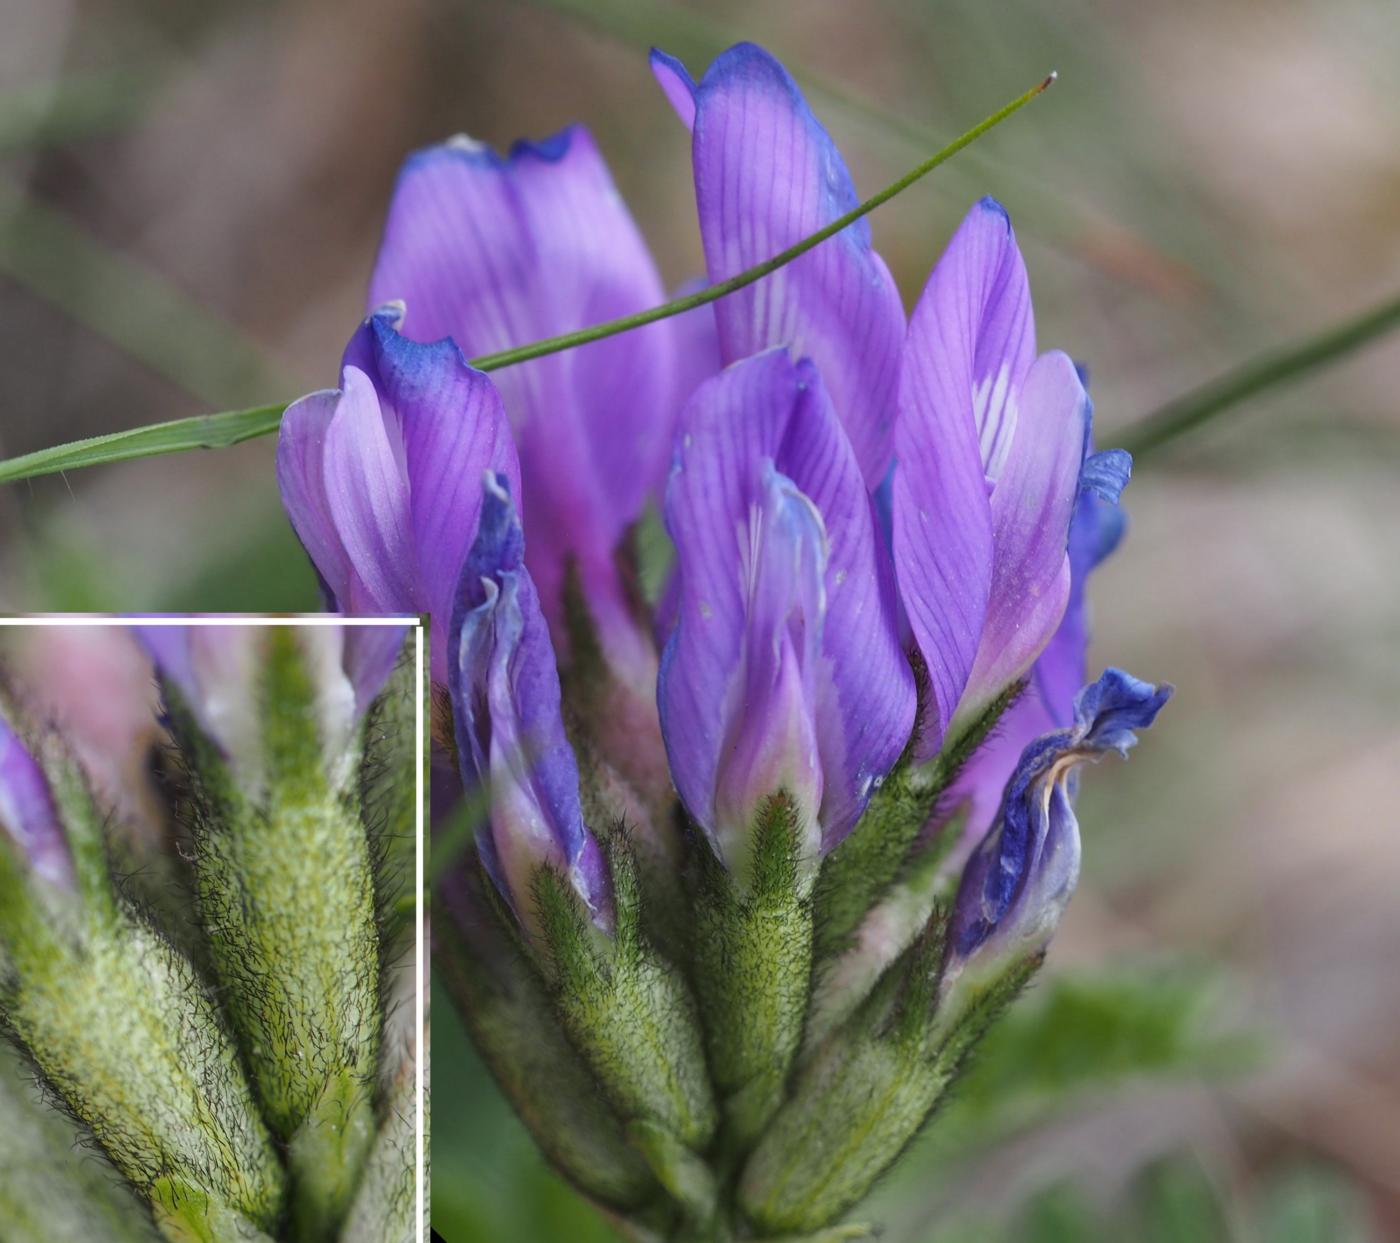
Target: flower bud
[(510, 735), (1017, 883), (270, 719), (117, 1021)]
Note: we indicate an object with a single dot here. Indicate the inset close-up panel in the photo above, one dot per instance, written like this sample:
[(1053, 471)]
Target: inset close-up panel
[(211, 945)]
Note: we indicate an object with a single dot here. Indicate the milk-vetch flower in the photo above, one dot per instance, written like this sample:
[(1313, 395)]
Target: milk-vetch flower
[(990, 441), (1017, 883), (506, 709), (1047, 702), (767, 175), (380, 477), (497, 251), (783, 673)]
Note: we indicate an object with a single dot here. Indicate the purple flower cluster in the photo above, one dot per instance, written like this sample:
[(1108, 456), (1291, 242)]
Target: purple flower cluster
[(851, 495)]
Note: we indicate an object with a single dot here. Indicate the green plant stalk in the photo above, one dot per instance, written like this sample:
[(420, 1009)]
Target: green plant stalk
[(1269, 370), (234, 426)]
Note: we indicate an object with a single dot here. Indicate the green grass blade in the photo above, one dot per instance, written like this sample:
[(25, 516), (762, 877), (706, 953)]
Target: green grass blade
[(205, 431), (230, 427), (1269, 370)]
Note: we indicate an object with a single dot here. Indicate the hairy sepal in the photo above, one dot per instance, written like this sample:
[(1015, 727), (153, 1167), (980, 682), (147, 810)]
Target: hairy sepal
[(863, 868), (752, 966), (627, 1010)]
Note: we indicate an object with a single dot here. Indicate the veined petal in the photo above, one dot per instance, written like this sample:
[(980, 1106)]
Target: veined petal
[(1058, 673), (506, 706), (376, 477), (770, 742), (497, 251), (865, 693), (766, 500), (768, 175), (27, 813), (453, 427), (368, 495), (301, 478), (1031, 507), (971, 342), (1018, 882)]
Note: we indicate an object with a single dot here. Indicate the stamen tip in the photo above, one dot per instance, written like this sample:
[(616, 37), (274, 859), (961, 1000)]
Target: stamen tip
[(1054, 76)]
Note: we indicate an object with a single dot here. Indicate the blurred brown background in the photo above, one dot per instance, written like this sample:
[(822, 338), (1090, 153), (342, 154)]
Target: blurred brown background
[(190, 198)]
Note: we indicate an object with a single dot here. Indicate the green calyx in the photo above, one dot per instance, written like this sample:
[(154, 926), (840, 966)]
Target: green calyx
[(870, 860), (753, 958), (628, 1012), (284, 872), (856, 1103), (818, 1042)]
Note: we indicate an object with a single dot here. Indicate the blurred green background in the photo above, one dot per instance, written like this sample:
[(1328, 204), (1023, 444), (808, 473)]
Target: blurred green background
[(190, 197)]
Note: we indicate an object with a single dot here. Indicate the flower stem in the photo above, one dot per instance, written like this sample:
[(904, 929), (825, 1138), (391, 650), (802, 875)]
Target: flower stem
[(1270, 369)]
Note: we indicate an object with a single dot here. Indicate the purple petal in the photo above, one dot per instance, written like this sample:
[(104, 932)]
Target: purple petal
[(454, 428), (370, 655), (760, 449), (865, 701), (676, 84), (379, 479), (27, 813), (768, 175), (770, 742), (501, 251), (1031, 507), (366, 481), (301, 478), (506, 706)]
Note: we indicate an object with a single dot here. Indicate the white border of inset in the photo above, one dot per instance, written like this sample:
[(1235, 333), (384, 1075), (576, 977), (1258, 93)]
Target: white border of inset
[(420, 1138)]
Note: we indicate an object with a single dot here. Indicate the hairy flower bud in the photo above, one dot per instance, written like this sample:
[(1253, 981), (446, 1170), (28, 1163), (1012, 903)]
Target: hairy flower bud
[(118, 1024), (272, 719), (510, 736)]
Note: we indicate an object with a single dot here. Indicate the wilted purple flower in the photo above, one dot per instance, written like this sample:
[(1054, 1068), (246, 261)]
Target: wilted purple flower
[(768, 175), (27, 813), (784, 670), (379, 477), (498, 251), (1017, 883), (506, 711), (1059, 672), (216, 670), (990, 441)]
